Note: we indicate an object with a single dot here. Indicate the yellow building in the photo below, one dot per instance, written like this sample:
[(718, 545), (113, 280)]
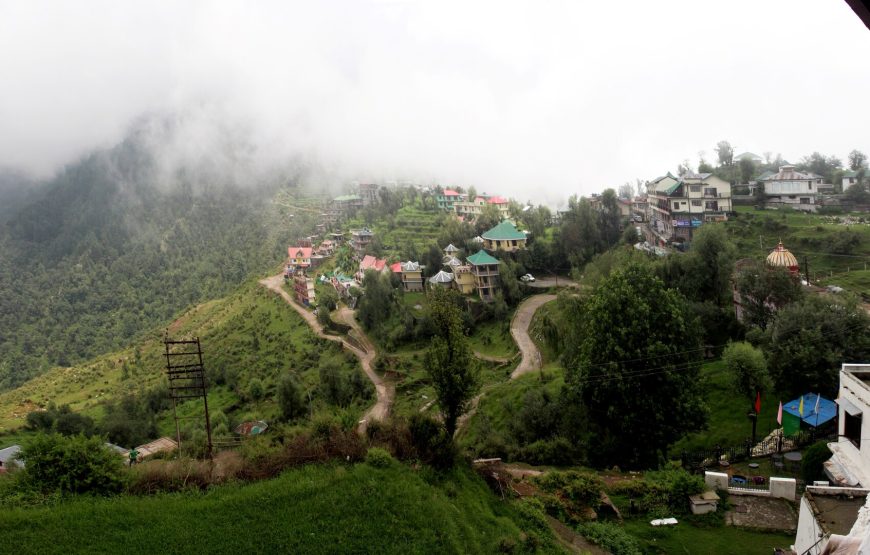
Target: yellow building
[(463, 279), (504, 237)]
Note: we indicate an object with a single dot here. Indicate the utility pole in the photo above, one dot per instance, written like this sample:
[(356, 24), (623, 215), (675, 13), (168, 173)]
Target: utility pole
[(807, 268)]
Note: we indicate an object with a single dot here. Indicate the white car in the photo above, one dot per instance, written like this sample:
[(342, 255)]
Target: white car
[(528, 278)]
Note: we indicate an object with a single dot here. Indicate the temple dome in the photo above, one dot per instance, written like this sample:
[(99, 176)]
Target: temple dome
[(780, 256)]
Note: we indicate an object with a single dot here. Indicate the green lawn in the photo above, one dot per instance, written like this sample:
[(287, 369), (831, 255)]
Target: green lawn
[(692, 539), (728, 423), (807, 236), (314, 509)]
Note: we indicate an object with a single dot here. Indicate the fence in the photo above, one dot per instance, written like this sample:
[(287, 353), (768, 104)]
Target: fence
[(700, 459)]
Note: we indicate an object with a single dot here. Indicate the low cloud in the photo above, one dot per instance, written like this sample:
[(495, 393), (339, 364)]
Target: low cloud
[(538, 102)]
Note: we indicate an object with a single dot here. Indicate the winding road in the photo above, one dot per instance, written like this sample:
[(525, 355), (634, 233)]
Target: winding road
[(520, 331), (365, 352)]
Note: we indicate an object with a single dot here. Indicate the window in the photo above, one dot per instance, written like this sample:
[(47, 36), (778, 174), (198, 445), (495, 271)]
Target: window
[(676, 206), (695, 188), (852, 428), (696, 203), (805, 200), (710, 192), (711, 205), (810, 185)]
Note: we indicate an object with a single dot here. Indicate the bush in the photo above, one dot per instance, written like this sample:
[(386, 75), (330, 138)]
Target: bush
[(74, 464), (670, 489), (431, 442), (572, 492), (378, 458), (290, 398), (611, 537), (811, 464)]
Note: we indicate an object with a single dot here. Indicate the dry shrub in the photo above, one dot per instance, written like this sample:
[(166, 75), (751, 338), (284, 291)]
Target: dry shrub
[(159, 475)]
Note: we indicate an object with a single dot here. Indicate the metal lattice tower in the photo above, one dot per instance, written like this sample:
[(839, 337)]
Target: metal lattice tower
[(187, 380)]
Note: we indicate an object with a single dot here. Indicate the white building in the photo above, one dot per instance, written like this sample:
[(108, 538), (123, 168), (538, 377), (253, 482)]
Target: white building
[(789, 187), (837, 515), (678, 205)]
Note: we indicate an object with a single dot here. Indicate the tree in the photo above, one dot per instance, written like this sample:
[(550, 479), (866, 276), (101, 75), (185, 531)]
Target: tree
[(73, 464), (448, 361), (749, 368), (375, 304), (626, 190), (820, 165), (747, 170), (704, 273), (725, 153), (809, 340), (432, 261), (488, 218), (857, 192), (703, 165), (857, 160), (622, 350), (763, 290), (289, 397)]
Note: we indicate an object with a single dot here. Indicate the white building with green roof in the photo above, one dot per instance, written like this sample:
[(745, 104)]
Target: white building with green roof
[(504, 237)]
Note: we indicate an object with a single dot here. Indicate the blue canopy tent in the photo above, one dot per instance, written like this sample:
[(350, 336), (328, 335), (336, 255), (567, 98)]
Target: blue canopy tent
[(792, 417)]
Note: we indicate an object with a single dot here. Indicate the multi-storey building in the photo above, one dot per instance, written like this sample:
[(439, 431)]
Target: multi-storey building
[(359, 240), (679, 205), (504, 237), (484, 268), (448, 199), (789, 187)]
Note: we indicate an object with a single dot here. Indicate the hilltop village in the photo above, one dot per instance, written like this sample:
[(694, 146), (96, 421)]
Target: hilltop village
[(679, 361)]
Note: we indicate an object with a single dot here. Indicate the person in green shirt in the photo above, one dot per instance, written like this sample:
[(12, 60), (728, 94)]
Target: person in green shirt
[(134, 454)]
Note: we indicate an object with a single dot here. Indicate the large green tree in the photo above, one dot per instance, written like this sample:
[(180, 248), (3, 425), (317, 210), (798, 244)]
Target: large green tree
[(764, 289), (449, 361), (809, 340), (635, 369), (749, 369), (857, 160)]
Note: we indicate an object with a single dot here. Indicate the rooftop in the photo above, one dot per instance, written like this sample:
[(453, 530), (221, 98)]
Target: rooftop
[(505, 231), (482, 257), (835, 512)]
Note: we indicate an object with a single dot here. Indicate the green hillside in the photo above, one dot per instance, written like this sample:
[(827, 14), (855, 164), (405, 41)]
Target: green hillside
[(314, 509), (251, 339), (837, 247)]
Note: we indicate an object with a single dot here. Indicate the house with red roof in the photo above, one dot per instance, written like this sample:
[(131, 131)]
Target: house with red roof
[(473, 208), (448, 198), (369, 262), (298, 258)]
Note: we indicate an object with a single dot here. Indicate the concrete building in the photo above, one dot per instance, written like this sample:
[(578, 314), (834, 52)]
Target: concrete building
[(303, 288), (360, 239), (679, 205), (792, 188), (412, 275), (463, 279), (368, 192), (504, 237), (448, 198), (485, 270), (836, 515)]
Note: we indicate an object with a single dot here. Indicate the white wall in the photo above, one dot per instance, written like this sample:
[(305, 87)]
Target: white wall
[(808, 530)]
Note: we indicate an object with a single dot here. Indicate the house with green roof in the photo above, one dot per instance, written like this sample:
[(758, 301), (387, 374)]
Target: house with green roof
[(484, 269), (504, 237)]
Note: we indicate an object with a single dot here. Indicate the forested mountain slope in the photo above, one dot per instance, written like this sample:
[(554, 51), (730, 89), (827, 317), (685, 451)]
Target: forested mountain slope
[(118, 242)]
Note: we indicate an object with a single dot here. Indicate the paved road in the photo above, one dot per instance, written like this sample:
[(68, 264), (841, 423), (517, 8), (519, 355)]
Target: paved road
[(546, 282), (520, 331), (365, 352)]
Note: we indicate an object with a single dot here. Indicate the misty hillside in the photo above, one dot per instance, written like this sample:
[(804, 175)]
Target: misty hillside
[(119, 242)]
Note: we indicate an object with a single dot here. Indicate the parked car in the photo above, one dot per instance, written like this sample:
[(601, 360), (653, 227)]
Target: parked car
[(528, 278)]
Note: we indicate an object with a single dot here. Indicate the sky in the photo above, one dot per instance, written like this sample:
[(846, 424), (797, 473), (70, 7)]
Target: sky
[(536, 100)]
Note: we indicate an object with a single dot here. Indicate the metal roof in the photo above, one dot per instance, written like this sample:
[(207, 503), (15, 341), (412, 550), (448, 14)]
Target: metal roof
[(441, 277), (505, 231), (482, 257), (780, 256)]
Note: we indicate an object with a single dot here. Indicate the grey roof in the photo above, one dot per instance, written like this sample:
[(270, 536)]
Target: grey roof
[(693, 175), (451, 261), (8, 454), (450, 248), (441, 277), (410, 266), (477, 239)]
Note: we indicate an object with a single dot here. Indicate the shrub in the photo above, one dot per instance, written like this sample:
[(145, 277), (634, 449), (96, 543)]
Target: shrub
[(671, 489), (73, 464), (290, 398), (432, 443), (378, 458), (611, 537), (811, 465), (255, 389)]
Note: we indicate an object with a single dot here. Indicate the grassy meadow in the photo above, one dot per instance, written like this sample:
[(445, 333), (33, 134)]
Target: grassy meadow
[(313, 509)]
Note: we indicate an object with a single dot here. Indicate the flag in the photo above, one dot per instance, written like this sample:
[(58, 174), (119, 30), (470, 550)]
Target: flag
[(779, 414), (757, 402), (801, 407), (818, 399)]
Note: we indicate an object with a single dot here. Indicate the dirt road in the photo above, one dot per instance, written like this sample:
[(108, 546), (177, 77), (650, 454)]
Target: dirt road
[(365, 352), (545, 282), (520, 331)]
